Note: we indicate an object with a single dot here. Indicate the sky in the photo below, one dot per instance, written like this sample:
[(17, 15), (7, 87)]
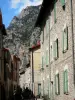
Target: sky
[(11, 8)]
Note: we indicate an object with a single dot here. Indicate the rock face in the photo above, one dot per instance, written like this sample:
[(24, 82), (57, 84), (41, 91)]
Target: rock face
[(21, 32)]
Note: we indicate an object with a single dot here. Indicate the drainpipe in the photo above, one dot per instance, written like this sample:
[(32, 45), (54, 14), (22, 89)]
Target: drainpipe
[(73, 56)]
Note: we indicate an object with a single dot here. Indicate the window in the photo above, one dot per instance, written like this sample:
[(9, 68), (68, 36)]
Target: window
[(55, 11), (39, 89), (55, 49), (65, 81), (65, 40), (62, 2), (57, 84), (42, 62)]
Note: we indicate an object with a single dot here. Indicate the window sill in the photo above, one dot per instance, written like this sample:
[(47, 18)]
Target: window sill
[(57, 94), (66, 93), (42, 69), (47, 65), (55, 58), (65, 51)]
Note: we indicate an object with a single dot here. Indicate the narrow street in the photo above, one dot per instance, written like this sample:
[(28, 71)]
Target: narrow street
[(37, 50)]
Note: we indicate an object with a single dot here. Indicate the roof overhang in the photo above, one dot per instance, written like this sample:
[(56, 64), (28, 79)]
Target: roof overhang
[(47, 5), (2, 29)]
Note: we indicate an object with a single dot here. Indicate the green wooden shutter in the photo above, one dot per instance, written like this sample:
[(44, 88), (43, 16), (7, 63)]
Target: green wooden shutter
[(55, 11), (57, 48), (58, 85), (54, 50), (55, 86), (62, 2), (42, 62), (62, 41), (66, 37), (66, 81)]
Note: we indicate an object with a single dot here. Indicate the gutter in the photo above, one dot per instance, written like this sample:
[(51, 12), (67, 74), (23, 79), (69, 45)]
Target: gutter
[(73, 55)]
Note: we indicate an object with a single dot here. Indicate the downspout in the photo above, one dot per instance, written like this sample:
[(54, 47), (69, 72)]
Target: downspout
[(73, 56)]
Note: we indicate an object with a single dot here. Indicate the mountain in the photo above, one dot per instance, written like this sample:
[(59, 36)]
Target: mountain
[(21, 30), (21, 33)]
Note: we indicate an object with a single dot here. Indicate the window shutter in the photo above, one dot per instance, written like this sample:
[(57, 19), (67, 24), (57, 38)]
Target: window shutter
[(62, 41), (55, 86), (64, 81), (57, 48), (42, 62), (55, 11), (58, 85), (54, 50), (66, 36), (62, 2)]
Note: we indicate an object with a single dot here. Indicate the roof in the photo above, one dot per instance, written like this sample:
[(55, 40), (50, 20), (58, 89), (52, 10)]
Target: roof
[(35, 46), (47, 5)]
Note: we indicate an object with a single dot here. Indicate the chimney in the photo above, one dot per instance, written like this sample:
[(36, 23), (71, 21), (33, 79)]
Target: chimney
[(1, 18)]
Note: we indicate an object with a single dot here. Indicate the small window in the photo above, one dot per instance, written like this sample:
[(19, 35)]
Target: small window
[(65, 40), (55, 49), (65, 81), (57, 84)]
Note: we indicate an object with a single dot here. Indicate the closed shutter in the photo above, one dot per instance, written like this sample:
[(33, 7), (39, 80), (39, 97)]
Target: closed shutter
[(62, 2)]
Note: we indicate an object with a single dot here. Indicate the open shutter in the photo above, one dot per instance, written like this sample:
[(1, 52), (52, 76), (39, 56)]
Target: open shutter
[(66, 81), (62, 2), (66, 37), (62, 41), (58, 85), (54, 50), (57, 48), (55, 86), (42, 62)]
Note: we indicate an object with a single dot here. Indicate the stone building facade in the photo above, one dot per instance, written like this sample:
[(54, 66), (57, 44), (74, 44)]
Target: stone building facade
[(35, 63), (57, 21)]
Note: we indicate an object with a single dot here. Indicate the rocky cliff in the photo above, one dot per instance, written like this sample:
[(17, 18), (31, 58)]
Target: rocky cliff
[(21, 33)]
